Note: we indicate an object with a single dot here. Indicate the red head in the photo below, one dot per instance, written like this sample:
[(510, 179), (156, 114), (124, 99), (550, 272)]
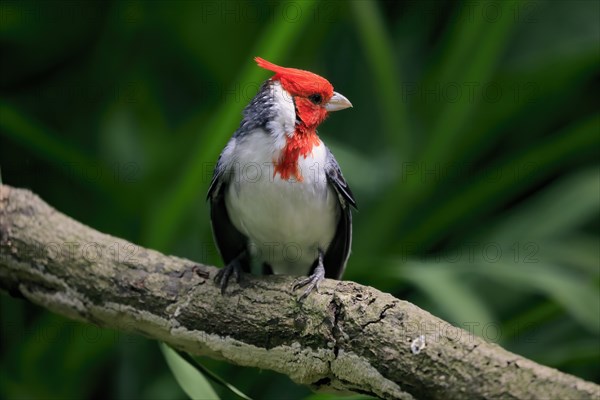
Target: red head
[(313, 98), (313, 95)]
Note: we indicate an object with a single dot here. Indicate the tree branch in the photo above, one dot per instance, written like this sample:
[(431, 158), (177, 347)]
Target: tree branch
[(347, 337)]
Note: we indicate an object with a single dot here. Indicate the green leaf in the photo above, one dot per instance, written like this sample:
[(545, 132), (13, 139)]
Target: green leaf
[(483, 193), (189, 378), (22, 128), (202, 370), (482, 43), (379, 49), (579, 251), (575, 293), (560, 209), (445, 286), (364, 174)]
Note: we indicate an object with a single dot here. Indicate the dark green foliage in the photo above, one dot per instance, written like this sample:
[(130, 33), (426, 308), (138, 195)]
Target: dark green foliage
[(472, 149)]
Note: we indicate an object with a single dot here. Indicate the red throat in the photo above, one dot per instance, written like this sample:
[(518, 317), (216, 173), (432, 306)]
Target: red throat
[(299, 144)]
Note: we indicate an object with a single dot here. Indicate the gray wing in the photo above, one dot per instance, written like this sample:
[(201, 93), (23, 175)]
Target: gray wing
[(338, 251), (230, 242)]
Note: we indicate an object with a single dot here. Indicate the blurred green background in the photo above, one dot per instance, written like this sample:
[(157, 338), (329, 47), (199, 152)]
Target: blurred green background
[(472, 149)]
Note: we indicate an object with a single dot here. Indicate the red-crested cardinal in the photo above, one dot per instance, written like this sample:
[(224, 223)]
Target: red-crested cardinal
[(278, 199)]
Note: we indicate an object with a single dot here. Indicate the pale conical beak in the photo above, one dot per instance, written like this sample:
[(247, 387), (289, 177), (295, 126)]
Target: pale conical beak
[(337, 102)]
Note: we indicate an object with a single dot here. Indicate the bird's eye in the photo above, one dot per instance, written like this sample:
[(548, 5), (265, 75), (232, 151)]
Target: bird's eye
[(315, 98)]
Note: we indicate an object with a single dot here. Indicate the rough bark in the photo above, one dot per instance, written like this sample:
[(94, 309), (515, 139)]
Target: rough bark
[(346, 337)]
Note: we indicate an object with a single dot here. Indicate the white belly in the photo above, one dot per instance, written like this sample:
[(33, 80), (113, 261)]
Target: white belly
[(287, 221)]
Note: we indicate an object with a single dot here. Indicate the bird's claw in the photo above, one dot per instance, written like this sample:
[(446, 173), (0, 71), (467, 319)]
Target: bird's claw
[(312, 282), (222, 278)]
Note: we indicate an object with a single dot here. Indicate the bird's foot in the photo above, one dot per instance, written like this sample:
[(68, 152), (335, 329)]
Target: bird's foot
[(312, 282), (233, 268)]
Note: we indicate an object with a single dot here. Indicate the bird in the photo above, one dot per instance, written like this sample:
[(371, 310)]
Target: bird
[(279, 203)]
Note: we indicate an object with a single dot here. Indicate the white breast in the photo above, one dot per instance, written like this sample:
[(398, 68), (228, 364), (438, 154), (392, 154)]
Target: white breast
[(287, 221)]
